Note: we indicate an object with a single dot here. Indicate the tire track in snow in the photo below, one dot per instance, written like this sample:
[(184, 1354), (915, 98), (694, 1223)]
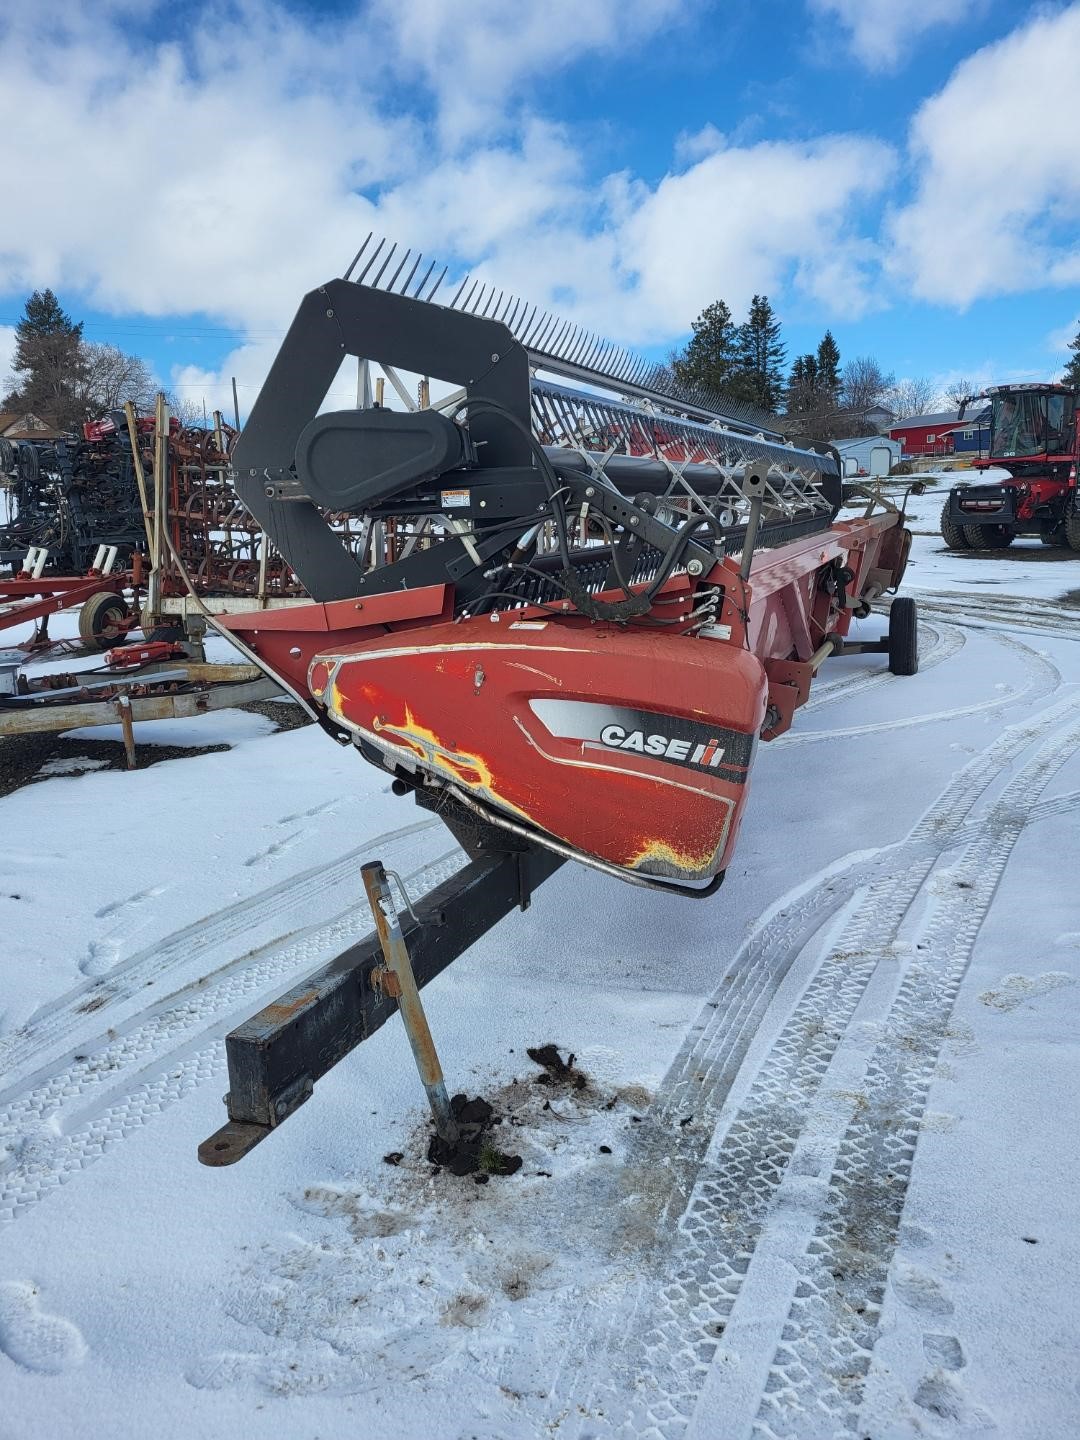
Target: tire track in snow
[(1044, 679), (944, 645), (155, 1058), (1014, 612), (816, 1378), (284, 903), (673, 1341)]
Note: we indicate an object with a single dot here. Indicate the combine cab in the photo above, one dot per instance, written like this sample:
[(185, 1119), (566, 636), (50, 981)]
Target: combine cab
[(1034, 436)]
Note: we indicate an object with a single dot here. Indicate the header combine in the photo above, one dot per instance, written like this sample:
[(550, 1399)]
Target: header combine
[(579, 598)]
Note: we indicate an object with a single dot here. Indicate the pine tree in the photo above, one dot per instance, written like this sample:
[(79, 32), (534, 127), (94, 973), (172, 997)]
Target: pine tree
[(710, 359), (1072, 370), (761, 356), (48, 361), (828, 365), (803, 386)]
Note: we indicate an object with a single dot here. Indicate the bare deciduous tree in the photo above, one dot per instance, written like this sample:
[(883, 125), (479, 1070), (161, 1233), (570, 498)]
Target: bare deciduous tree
[(188, 411), (864, 384), (959, 390), (912, 397), (110, 378)]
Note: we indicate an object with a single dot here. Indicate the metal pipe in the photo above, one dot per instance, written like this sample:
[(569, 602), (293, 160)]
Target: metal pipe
[(398, 980), (140, 478), (821, 654), (752, 526)]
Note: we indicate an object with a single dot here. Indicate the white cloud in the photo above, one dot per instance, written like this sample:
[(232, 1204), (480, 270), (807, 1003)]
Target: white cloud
[(1058, 341), (754, 219), (224, 177), (997, 209), (883, 33), (7, 357)]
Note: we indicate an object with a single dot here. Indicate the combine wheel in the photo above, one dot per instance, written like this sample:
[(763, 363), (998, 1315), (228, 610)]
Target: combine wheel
[(1054, 536), (988, 537), (101, 620), (903, 636), (955, 536), (1072, 525)]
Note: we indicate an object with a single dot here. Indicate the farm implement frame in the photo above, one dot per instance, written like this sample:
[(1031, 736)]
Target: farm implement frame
[(603, 591)]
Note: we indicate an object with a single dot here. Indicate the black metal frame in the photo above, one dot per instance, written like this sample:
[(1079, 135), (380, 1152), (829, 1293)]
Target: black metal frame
[(276, 1057), (339, 319)]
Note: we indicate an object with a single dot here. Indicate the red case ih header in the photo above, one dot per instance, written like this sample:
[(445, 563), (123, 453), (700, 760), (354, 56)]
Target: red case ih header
[(595, 599)]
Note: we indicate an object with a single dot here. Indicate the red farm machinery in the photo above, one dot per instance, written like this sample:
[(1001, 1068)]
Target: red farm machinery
[(600, 592), (1035, 436)]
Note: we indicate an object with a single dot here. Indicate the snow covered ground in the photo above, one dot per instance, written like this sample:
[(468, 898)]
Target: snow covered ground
[(821, 1181)]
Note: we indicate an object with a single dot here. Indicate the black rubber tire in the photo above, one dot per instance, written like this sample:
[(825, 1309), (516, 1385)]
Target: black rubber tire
[(99, 618), (989, 537), (1071, 526), (903, 636), (953, 535)]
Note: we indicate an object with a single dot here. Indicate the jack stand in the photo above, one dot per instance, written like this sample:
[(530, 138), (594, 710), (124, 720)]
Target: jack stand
[(397, 979)]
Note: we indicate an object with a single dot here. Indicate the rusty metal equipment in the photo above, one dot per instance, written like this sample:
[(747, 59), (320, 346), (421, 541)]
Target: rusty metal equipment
[(67, 498), (397, 979), (601, 593)]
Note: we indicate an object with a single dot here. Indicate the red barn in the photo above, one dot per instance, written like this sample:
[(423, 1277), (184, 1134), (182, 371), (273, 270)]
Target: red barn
[(925, 434)]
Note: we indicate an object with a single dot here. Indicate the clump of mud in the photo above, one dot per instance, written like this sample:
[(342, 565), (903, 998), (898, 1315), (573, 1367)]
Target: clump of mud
[(475, 1152), (557, 1071)]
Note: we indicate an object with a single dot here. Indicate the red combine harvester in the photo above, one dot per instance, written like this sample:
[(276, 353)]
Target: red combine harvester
[(597, 593), (1035, 436)]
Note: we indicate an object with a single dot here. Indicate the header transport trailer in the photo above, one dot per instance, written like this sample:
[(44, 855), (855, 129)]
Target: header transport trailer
[(597, 592)]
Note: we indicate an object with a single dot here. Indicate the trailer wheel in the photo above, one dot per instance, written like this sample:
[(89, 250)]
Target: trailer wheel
[(1072, 525), (903, 636), (954, 535), (989, 537), (101, 620)]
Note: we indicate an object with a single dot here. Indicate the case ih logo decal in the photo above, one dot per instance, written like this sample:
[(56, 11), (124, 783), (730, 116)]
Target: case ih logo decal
[(683, 752)]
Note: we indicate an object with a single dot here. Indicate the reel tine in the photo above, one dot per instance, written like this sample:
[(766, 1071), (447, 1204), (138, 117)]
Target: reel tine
[(382, 267), (423, 282), (528, 339), (438, 282), (371, 261), (393, 279), (359, 252), (457, 297), (524, 321)]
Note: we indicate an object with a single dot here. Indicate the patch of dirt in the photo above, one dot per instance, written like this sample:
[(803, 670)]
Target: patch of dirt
[(557, 1071), (22, 757), (286, 713), (1032, 550), (475, 1153)]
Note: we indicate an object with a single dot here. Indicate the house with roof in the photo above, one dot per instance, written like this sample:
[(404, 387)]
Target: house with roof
[(867, 455), (921, 435), (971, 436), (25, 425)]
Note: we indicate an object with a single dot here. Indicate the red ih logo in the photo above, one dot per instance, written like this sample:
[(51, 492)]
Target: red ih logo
[(710, 754)]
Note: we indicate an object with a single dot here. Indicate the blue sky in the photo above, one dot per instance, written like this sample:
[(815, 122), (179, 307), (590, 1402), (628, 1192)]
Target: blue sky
[(908, 176)]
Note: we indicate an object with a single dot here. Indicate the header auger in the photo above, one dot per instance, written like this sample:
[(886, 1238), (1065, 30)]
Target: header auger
[(579, 599)]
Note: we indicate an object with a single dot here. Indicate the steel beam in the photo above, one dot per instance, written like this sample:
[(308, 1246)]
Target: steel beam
[(276, 1057)]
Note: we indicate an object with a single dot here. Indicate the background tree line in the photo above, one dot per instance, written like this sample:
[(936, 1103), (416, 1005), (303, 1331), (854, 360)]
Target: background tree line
[(817, 398), (64, 378)]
